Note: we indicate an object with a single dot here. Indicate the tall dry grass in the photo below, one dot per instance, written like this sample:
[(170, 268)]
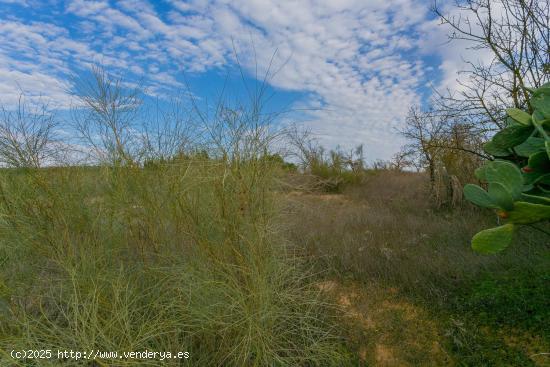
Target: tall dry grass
[(179, 254), (387, 230), (179, 257)]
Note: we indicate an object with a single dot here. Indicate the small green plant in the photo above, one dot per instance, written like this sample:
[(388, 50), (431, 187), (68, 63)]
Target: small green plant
[(518, 180)]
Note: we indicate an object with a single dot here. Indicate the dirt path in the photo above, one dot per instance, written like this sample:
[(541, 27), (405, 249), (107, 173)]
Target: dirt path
[(385, 329)]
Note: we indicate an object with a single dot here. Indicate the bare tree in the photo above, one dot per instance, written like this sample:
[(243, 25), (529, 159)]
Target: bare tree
[(314, 158), (517, 35), (170, 132), (448, 151), (424, 130), (401, 160), (28, 135), (302, 145), (105, 116)]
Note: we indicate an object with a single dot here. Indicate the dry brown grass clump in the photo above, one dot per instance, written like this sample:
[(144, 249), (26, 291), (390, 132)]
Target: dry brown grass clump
[(386, 229)]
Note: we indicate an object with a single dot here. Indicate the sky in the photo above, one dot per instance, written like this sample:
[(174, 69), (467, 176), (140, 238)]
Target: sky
[(347, 69)]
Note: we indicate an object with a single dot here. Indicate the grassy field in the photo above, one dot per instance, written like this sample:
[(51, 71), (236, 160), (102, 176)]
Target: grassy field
[(412, 291), (235, 263)]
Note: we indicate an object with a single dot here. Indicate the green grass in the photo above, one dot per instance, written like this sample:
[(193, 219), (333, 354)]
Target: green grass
[(180, 257), (500, 317)]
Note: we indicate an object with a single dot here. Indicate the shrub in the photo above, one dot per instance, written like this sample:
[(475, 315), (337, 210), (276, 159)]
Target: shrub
[(158, 248), (519, 178)]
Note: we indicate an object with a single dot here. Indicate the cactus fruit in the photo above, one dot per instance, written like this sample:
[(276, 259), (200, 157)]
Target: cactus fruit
[(527, 169), (502, 214)]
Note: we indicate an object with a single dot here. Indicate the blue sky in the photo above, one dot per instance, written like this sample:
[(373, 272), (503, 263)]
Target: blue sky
[(352, 67)]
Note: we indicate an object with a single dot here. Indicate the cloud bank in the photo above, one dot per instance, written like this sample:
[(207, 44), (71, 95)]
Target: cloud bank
[(359, 65)]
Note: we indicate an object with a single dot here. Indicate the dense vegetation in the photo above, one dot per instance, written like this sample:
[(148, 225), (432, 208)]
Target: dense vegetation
[(213, 232), (179, 257)]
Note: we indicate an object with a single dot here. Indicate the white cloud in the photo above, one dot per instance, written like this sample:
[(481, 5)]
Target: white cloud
[(18, 2), (359, 59), (349, 56), (13, 83), (36, 60)]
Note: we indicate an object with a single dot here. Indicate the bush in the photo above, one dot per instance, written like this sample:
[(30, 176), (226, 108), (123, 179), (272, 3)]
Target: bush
[(519, 196), (180, 257)]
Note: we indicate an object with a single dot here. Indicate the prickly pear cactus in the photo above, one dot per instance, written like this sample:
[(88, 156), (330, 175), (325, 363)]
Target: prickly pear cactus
[(518, 180)]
